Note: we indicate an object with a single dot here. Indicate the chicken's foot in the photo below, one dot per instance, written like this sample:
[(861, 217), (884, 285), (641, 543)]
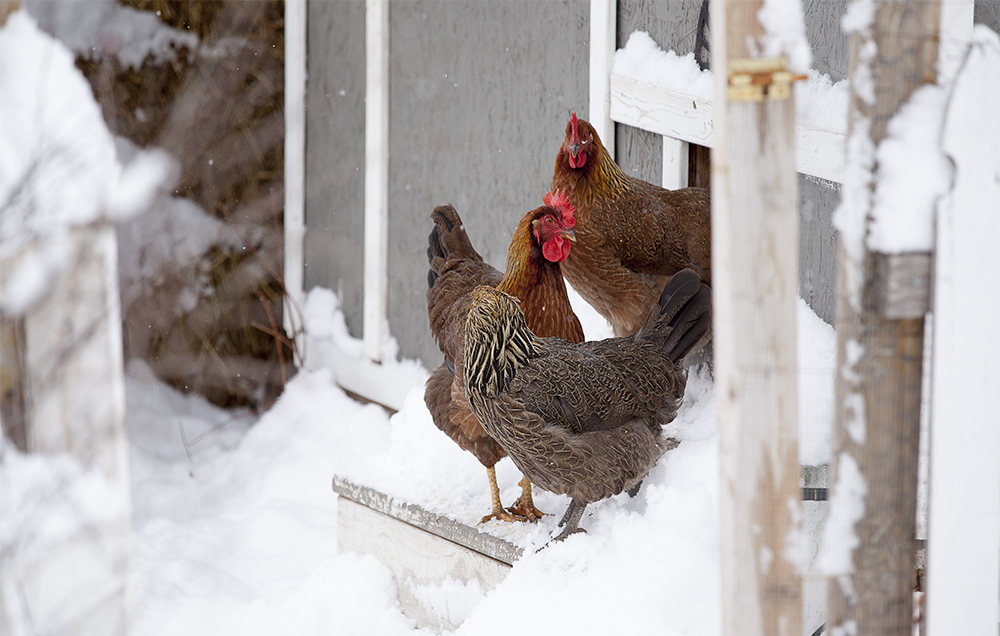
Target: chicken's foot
[(524, 505), (571, 520), (498, 511)]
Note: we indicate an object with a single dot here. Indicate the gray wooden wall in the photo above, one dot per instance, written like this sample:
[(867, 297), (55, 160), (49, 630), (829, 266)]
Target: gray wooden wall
[(480, 91)]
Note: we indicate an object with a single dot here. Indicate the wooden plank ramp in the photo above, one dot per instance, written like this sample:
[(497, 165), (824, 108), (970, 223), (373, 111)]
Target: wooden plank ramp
[(420, 547)]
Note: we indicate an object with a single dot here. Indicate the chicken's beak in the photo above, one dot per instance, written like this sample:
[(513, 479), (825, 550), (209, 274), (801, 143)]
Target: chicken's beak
[(568, 233), (574, 149)]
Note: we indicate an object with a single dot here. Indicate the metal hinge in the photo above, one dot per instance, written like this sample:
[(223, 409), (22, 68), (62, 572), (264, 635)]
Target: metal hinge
[(760, 79)]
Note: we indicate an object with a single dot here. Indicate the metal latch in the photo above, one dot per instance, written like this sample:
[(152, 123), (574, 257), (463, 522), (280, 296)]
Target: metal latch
[(760, 79)]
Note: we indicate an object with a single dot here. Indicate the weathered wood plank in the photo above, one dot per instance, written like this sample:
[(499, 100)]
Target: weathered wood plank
[(878, 387), (901, 286), (415, 557), (818, 153), (436, 524), (755, 278)]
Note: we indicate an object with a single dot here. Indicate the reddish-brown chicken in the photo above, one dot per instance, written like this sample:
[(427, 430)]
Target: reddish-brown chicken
[(539, 244), (631, 235)]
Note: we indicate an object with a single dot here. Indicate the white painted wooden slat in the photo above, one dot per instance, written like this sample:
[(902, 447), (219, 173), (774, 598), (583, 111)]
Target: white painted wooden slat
[(819, 153), (675, 163), (603, 19), (963, 533), (956, 33), (661, 111), (376, 264), (295, 158)]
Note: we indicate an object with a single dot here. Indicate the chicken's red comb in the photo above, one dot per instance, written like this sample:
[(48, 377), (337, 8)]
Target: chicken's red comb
[(560, 203), (576, 128)]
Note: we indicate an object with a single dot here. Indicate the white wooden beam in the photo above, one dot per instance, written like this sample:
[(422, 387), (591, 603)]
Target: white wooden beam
[(295, 157), (603, 29), (376, 277), (819, 153), (675, 163), (956, 33), (963, 531)]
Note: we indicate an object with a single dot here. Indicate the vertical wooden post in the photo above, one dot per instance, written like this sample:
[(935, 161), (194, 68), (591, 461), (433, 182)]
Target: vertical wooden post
[(675, 163), (376, 277), (963, 531), (879, 358), (295, 157), (603, 31), (755, 277)]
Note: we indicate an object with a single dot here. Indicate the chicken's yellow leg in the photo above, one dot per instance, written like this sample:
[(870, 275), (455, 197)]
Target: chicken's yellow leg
[(525, 506), (498, 511)]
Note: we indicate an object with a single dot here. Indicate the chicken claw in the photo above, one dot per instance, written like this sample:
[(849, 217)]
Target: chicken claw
[(524, 505), (498, 511)]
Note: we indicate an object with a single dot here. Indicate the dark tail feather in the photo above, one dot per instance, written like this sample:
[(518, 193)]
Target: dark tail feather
[(447, 241), (690, 325), (685, 306)]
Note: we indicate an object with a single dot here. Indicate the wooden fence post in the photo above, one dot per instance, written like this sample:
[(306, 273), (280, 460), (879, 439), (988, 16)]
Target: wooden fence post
[(879, 354), (755, 276)]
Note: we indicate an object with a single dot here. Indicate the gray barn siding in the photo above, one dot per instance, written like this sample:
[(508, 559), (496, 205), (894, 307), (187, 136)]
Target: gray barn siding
[(480, 92), (484, 138), (335, 152)]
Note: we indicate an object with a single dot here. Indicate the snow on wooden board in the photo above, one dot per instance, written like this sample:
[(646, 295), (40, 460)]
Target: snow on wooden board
[(668, 94)]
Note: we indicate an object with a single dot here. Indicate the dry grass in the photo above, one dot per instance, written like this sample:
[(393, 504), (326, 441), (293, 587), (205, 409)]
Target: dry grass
[(219, 111)]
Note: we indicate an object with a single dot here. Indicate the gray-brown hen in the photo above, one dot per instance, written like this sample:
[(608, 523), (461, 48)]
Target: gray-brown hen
[(584, 419)]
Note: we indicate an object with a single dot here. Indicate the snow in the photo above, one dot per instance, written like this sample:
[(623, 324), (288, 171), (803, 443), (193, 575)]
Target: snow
[(95, 29), (847, 507), (642, 60), (785, 33), (234, 520), (59, 168), (819, 102), (913, 173)]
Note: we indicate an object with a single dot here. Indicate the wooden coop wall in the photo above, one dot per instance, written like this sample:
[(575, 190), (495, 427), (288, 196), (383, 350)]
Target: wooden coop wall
[(484, 138)]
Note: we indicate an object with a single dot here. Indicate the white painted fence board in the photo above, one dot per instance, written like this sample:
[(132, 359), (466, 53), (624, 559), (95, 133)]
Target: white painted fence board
[(963, 550), (818, 153), (675, 163), (661, 111), (415, 557), (75, 405), (376, 300), (603, 29), (295, 160), (420, 547)]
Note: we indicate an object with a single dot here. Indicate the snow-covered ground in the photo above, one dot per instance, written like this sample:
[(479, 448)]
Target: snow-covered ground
[(236, 529)]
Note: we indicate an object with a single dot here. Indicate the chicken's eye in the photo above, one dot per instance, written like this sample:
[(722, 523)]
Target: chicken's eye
[(549, 220)]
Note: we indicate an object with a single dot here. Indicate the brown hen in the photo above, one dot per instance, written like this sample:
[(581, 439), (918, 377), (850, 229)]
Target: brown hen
[(631, 235), (539, 244), (583, 420)]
